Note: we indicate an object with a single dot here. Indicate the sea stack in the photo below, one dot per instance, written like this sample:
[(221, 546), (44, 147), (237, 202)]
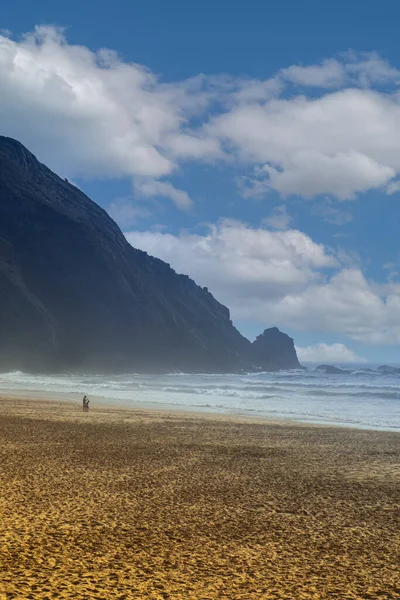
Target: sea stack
[(273, 350)]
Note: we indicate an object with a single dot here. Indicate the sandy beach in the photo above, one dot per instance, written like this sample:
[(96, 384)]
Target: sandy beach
[(141, 504)]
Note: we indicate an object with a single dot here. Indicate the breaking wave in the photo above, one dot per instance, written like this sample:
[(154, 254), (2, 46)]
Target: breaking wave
[(364, 398)]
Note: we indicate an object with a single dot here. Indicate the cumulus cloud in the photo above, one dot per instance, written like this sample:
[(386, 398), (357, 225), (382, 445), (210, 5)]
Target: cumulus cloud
[(328, 353), (341, 144), (311, 173), (282, 277), (330, 73), (238, 262), (92, 114), (364, 69), (314, 173)]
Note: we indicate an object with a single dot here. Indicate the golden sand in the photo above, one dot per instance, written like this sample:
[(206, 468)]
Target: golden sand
[(135, 504)]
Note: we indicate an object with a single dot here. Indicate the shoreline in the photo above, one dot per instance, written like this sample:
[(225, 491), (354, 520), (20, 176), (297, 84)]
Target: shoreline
[(142, 409), (74, 399), (123, 503)]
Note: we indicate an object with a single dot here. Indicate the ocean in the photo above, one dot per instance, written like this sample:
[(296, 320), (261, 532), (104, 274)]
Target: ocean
[(365, 399)]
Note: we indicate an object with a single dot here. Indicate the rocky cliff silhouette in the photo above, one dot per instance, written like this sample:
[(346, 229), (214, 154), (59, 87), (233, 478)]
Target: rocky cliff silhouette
[(75, 295), (274, 350)]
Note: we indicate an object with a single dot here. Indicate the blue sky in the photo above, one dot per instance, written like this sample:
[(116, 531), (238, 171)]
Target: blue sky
[(253, 145)]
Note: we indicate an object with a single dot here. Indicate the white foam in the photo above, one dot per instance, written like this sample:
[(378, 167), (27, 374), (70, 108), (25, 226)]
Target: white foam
[(365, 400)]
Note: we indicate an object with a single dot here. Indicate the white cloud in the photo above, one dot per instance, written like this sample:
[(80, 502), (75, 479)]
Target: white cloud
[(345, 303), (311, 173), (342, 175), (91, 114), (364, 69), (393, 187), (341, 144), (151, 188), (279, 218), (126, 212), (368, 68), (282, 277), (328, 353), (330, 73), (238, 262), (331, 213)]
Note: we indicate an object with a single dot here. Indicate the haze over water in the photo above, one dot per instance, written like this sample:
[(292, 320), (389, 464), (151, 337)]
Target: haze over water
[(362, 399)]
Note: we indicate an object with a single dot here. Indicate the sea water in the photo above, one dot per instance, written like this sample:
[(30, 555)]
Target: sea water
[(362, 398)]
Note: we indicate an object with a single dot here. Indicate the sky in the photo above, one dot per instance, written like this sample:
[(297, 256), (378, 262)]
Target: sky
[(254, 146)]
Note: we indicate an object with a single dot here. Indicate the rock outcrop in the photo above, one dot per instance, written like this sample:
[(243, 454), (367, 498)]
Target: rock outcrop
[(74, 295), (388, 370), (274, 350), (332, 370)]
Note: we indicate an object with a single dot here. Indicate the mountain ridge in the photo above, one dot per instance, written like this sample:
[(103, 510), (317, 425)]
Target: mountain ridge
[(74, 294)]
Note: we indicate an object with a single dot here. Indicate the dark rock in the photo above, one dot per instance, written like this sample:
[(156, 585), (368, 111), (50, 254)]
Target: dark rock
[(274, 350), (387, 370), (75, 295), (331, 370)]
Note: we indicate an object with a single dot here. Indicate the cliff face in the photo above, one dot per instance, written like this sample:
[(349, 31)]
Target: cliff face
[(74, 295), (274, 350)]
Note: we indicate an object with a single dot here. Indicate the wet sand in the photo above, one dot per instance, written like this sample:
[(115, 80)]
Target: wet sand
[(139, 504)]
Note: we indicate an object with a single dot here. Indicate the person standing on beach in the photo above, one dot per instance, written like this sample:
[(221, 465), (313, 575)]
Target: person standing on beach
[(85, 400), (87, 404)]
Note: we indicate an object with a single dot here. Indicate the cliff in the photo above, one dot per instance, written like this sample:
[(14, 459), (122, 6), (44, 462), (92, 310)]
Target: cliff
[(274, 350), (74, 295)]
